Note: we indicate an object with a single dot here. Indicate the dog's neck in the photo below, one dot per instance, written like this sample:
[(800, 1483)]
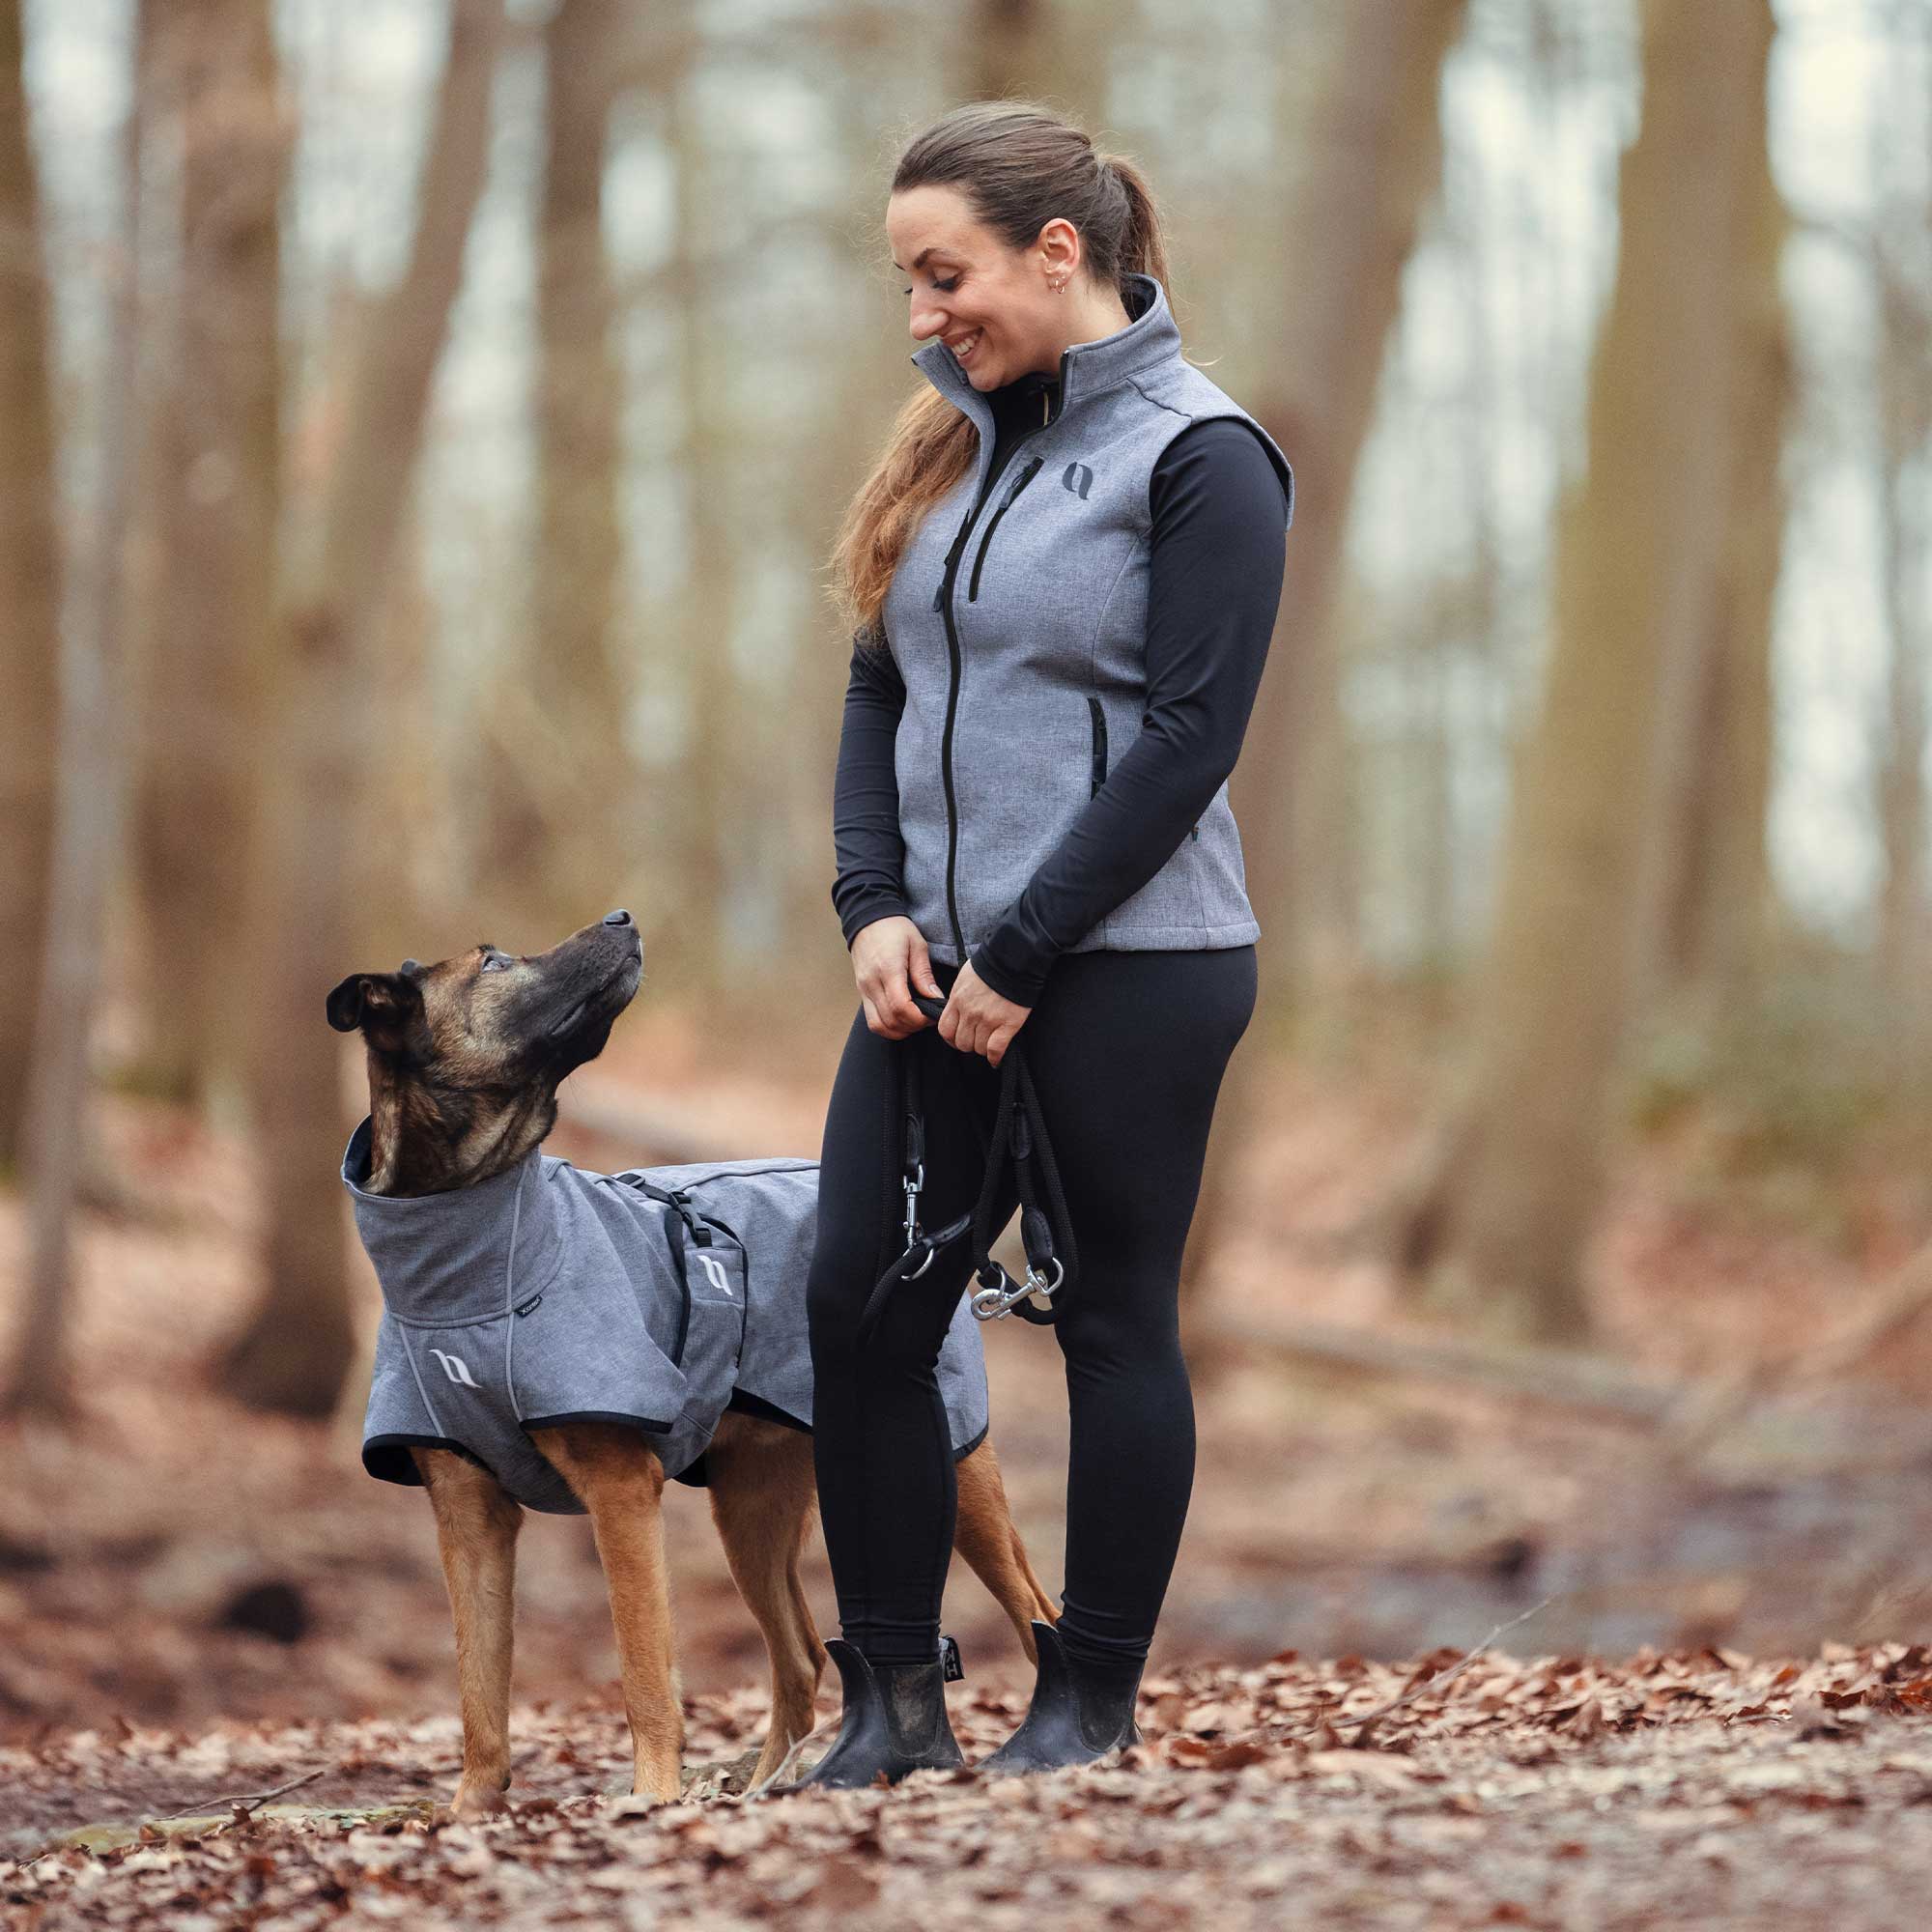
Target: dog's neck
[(424, 1143)]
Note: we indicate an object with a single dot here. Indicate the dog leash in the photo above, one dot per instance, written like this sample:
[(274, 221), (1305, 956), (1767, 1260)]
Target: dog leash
[(1019, 1133)]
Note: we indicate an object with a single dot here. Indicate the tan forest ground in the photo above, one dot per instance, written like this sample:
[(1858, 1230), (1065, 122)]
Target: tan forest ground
[(197, 1606)]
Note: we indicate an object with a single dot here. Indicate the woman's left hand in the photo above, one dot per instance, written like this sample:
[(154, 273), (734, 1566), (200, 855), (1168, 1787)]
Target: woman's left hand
[(977, 1019)]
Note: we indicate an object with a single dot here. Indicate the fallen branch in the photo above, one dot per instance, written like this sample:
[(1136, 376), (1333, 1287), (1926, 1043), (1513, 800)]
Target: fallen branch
[(211, 1805), (1369, 1719), (1700, 1419), (1558, 1377)]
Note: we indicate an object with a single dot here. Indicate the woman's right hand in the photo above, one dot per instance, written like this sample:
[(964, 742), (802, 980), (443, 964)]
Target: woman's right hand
[(890, 962)]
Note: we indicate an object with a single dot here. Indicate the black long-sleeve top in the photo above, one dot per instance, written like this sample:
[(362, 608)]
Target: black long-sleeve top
[(1214, 573)]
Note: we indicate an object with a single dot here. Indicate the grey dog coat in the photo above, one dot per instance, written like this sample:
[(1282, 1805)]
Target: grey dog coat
[(549, 1294)]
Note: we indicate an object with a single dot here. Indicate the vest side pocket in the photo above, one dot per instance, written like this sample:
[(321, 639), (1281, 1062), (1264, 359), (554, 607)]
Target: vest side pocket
[(1100, 718)]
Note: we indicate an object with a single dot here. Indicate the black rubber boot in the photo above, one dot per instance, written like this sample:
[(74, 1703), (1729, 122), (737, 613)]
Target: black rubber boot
[(1078, 1713), (894, 1721)]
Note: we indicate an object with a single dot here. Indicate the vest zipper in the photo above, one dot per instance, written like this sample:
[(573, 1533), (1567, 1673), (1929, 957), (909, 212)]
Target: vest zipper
[(942, 602), (1007, 501)]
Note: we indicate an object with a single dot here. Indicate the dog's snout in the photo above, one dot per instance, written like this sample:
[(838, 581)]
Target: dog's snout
[(618, 917)]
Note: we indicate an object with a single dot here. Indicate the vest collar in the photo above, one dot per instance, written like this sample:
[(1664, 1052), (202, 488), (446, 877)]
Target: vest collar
[(459, 1256), (1085, 368)]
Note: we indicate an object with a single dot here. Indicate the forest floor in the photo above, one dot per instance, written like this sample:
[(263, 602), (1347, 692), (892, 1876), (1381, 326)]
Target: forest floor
[(1707, 1707)]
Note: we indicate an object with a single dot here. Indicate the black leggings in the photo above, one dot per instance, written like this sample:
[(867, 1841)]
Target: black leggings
[(1127, 1051)]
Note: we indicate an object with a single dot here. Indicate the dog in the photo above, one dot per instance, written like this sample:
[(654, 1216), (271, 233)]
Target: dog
[(464, 1058)]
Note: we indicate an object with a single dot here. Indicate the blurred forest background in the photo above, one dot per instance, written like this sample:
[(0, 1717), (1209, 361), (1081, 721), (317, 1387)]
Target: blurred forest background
[(422, 427)]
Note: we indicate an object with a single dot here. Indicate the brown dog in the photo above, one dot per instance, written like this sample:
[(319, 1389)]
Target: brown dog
[(464, 1058)]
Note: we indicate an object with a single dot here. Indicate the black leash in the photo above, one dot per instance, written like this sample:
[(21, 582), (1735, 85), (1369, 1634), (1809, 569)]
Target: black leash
[(1019, 1133)]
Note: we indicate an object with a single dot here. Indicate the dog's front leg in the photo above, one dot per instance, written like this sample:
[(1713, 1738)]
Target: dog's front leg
[(621, 1484), (477, 1525)]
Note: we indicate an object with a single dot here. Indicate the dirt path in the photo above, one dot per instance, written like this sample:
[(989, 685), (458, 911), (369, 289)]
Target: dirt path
[(1699, 1791)]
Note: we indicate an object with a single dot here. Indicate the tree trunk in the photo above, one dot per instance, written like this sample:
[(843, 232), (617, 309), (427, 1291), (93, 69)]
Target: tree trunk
[(295, 1352), (1501, 1227), (1904, 950), (204, 695), (1373, 156), (711, 810), (29, 588), (1710, 890), (570, 673), (87, 827)]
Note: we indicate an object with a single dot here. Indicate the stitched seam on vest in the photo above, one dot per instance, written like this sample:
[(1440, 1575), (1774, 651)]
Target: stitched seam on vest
[(1094, 654), (1188, 421)]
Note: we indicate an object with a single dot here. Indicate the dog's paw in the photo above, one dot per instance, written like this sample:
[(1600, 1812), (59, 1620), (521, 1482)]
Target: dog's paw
[(474, 1802)]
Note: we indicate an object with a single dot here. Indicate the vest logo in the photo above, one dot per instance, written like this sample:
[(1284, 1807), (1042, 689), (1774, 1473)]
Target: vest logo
[(719, 1280), (456, 1369), (1079, 479)]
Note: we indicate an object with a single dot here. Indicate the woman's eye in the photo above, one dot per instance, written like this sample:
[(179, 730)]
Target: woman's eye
[(945, 288)]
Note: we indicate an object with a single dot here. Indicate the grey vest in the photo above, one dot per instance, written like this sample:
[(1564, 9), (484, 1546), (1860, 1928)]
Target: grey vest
[(1048, 605), (547, 1294)]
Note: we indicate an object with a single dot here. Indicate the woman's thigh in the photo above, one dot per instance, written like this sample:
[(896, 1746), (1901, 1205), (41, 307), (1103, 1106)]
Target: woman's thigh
[(1128, 1052)]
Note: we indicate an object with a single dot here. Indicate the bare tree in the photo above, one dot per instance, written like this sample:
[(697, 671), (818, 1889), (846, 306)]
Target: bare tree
[(1903, 311), (1373, 156), (207, 647), (29, 587), (295, 1352), (1499, 1224), (88, 817), (1708, 892), (569, 675)]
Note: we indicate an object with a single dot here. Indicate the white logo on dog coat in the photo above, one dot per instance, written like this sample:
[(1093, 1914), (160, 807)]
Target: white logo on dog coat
[(715, 1268), (455, 1368)]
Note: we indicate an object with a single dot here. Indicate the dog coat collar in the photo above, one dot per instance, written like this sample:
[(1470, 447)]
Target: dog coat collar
[(549, 1293)]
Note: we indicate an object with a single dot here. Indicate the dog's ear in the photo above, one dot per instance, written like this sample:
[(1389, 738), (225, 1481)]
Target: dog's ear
[(375, 1000)]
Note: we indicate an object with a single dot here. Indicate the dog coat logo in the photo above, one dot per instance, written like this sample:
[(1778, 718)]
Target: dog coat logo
[(455, 1368), (1079, 479), (715, 1268)]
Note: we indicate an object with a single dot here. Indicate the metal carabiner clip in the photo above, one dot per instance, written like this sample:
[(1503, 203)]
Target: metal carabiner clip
[(915, 1183), (995, 1304)]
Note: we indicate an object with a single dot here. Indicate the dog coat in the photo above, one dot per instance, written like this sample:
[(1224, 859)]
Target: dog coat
[(549, 1294)]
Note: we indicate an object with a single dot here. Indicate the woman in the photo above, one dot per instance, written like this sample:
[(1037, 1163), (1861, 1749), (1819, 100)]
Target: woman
[(1063, 573)]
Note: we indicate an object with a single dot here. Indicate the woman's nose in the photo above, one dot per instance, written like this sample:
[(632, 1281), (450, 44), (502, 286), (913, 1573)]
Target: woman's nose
[(928, 320)]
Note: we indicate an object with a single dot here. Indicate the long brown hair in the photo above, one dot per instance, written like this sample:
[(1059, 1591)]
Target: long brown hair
[(1018, 166)]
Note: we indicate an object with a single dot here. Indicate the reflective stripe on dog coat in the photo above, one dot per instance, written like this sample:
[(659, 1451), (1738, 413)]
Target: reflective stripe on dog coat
[(548, 1295)]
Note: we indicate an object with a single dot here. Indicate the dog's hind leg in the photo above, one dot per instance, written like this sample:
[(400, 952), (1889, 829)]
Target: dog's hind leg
[(762, 1494), (477, 1525), (621, 1484), (986, 1537)]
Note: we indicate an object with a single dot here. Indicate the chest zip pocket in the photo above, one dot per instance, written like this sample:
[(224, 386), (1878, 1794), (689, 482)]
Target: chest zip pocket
[(1006, 502)]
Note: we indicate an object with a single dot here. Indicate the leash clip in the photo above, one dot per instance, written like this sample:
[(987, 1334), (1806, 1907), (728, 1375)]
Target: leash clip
[(995, 1304), (915, 1183)]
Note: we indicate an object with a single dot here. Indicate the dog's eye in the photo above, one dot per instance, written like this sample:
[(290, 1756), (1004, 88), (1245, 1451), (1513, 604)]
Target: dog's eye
[(495, 963)]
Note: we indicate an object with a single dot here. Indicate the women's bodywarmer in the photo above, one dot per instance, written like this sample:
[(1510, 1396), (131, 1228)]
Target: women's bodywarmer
[(1018, 626)]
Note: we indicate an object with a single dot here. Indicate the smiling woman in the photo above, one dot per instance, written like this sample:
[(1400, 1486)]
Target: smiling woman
[(1063, 574)]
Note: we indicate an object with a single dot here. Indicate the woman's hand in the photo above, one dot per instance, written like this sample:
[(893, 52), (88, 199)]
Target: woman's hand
[(980, 1020), (888, 961)]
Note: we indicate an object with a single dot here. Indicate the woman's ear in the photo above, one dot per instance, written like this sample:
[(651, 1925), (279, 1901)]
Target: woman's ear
[(1059, 246)]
